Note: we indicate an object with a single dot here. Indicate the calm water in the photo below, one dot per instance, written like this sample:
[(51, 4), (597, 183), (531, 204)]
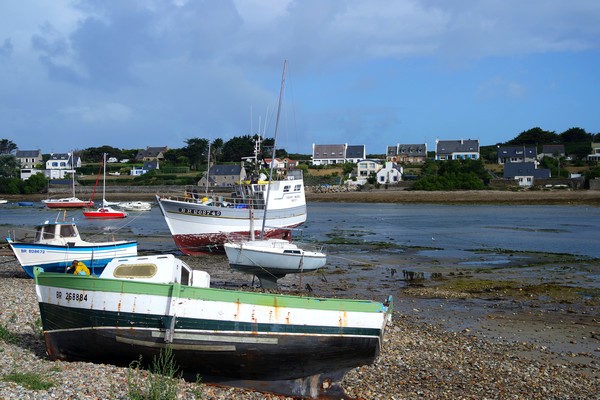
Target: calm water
[(556, 229)]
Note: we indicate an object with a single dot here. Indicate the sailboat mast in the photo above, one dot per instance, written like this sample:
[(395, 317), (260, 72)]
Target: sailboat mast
[(262, 233), (104, 180)]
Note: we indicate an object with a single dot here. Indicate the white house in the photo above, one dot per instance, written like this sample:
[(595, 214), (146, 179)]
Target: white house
[(525, 173), (60, 165), (457, 149), (364, 169), (391, 174)]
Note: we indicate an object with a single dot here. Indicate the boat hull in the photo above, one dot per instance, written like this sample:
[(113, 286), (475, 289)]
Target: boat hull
[(198, 229), (67, 203), (222, 335), (260, 261), (56, 258), (104, 213)]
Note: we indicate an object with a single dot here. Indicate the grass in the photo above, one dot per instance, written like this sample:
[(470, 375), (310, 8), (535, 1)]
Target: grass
[(7, 336), (29, 380), (162, 381)]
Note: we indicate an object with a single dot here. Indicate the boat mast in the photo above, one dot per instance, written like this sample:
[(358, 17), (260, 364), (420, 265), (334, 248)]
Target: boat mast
[(207, 170), (104, 181), (262, 233)]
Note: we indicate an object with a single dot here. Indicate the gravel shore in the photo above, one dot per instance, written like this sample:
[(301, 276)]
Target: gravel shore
[(419, 359)]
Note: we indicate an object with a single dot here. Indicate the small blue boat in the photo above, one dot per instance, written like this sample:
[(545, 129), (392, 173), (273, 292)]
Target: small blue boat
[(57, 244), (25, 203)]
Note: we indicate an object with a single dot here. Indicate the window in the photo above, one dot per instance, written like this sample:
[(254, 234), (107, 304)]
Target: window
[(135, 271), (286, 188)]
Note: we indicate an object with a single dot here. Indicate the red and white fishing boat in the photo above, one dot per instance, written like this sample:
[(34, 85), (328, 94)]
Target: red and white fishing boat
[(104, 212)]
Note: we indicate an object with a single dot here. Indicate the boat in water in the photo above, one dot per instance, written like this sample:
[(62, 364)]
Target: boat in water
[(135, 205), (292, 345), (104, 212), (202, 224), (56, 244)]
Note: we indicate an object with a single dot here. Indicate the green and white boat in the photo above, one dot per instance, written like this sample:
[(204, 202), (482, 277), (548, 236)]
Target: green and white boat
[(138, 306)]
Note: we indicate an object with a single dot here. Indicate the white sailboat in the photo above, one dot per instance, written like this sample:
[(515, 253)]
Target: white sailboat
[(271, 259)]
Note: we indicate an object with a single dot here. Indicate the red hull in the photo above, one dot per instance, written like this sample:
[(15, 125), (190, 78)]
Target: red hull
[(104, 214), (196, 245)]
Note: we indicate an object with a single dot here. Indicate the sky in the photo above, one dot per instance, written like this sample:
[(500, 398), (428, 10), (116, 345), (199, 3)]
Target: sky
[(133, 74)]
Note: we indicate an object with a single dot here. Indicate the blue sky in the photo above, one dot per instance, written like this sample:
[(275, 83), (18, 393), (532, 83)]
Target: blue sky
[(131, 74)]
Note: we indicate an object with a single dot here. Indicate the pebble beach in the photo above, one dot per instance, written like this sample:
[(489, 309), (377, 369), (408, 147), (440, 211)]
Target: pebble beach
[(420, 358)]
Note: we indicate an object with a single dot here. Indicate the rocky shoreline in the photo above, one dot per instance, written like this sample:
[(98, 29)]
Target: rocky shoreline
[(421, 358)]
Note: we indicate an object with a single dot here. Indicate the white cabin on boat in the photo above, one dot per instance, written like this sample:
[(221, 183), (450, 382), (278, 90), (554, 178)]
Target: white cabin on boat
[(164, 268)]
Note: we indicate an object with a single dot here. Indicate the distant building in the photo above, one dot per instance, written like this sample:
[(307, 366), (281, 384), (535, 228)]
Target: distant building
[(364, 169), (457, 149), (151, 154), (223, 175), (390, 174), (516, 154), (29, 158), (148, 166), (331, 154), (552, 150), (60, 165), (407, 153), (525, 173), (595, 156)]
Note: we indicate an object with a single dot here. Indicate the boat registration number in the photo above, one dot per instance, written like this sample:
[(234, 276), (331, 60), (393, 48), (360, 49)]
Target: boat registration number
[(212, 213), (32, 251), (71, 296)]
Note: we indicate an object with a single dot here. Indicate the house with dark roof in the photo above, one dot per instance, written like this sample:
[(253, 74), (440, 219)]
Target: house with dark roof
[(552, 150), (525, 173), (516, 154), (331, 154), (151, 154), (29, 158), (457, 149), (60, 165), (223, 176), (407, 153)]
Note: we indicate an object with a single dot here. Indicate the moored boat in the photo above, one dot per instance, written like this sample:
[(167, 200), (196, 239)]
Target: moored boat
[(104, 213), (299, 346), (272, 259), (202, 224), (57, 244), (135, 205), (68, 202)]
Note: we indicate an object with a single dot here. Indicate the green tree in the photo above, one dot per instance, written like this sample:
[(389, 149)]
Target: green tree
[(9, 165), (575, 135), (7, 146), (96, 154), (536, 136), (196, 151), (238, 147)]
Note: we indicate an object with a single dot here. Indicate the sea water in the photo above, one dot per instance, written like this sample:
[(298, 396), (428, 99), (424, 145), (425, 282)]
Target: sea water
[(454, 228)]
